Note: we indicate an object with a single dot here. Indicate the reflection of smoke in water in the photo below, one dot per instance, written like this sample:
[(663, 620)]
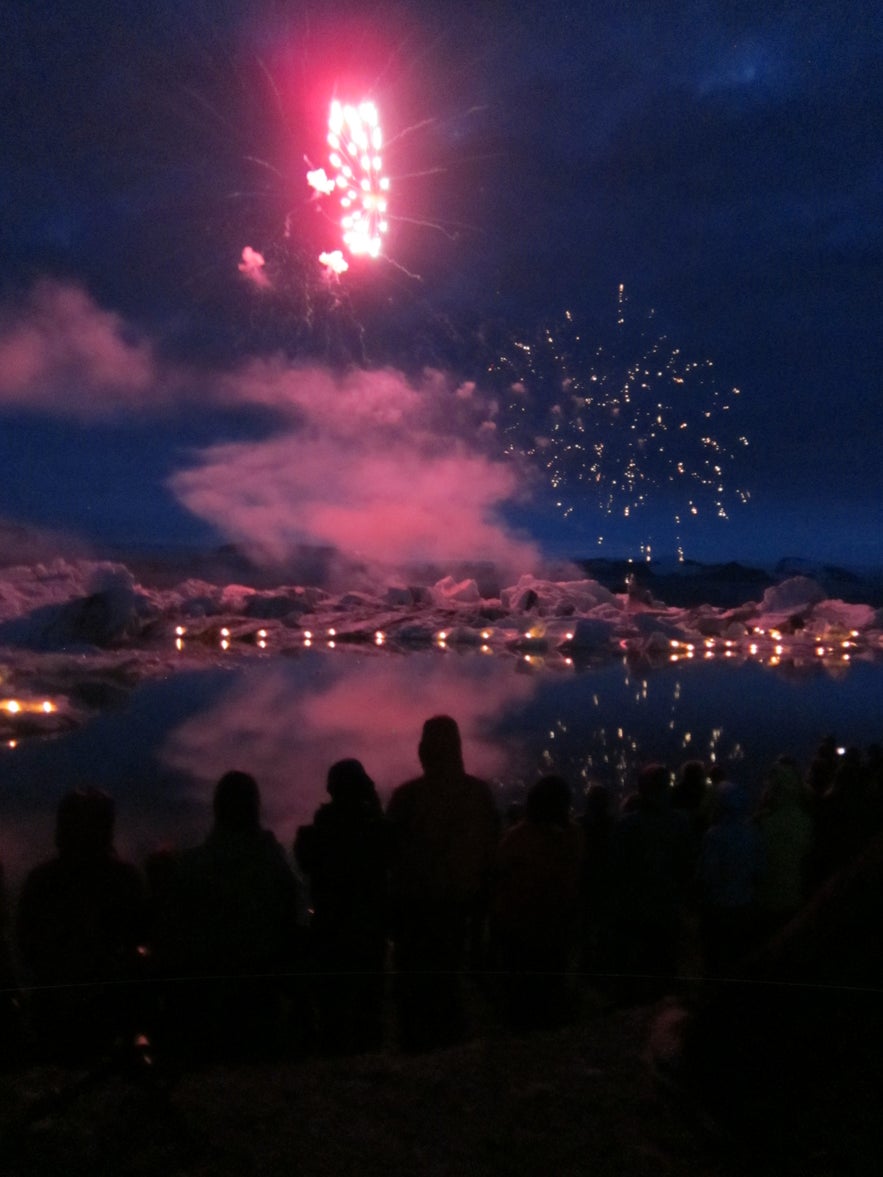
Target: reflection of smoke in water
[(621, 427)]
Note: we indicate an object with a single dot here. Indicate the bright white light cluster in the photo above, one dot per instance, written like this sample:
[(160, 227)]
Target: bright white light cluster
[(355, 140)]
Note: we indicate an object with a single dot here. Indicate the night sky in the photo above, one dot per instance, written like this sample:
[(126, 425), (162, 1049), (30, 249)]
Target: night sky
[(604, 220)]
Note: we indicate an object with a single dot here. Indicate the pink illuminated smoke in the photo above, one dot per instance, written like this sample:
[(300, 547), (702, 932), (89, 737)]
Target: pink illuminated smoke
[(371, 465)]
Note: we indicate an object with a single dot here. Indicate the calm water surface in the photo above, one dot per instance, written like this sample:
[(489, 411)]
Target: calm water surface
[(286, 719)]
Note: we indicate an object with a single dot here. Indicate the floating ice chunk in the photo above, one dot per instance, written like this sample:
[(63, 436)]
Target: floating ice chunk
[(398, 594), (464, 592), (652, 625), (590, 633), (838, 615), (235, 598), (556, 598), (791, 595)]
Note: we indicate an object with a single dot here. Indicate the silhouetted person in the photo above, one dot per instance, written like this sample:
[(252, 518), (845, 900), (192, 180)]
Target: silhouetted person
[(81, 919), (786, 829), (228, 919), (793, 1057), (690, 794), (727, 876), (534, 906), (11, 1018), (444, 829), (345, 856), (844, 817), (650, 869), (822, 768), (597, 827)]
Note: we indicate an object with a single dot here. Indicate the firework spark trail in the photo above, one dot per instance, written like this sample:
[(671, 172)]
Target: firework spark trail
[(617, 428), (355, 140)]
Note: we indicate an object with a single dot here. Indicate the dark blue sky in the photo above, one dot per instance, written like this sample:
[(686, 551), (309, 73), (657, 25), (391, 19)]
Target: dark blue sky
[(721, 161)]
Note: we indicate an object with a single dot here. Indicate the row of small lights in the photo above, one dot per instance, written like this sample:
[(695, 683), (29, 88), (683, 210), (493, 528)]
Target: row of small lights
[(679, 649), (20, 707), (224, 636), (688, 649), (25, 707)]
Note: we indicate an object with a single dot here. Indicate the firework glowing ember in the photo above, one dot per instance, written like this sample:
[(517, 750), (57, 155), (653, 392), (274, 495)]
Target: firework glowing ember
[(355, 140), (621, 426)]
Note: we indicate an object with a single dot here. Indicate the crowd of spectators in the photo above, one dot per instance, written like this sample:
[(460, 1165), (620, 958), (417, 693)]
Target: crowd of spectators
[(371, 931)]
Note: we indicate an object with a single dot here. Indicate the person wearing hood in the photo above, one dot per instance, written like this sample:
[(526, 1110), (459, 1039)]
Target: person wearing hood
[(230, 919), (444, 828), (81, 918)]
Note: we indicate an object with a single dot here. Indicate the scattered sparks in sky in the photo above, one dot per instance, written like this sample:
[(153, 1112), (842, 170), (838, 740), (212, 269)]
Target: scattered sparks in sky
[(355, 140), (620, 427)]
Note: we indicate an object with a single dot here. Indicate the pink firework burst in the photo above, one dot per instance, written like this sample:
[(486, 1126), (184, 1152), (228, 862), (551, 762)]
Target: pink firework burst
[(355, 140)]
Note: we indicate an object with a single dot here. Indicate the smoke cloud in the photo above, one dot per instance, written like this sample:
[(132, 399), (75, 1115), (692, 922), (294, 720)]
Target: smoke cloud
[(63, 355), (368, 463), (381, 468)]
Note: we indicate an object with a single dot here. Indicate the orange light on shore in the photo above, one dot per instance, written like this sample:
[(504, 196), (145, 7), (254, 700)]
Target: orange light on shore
[(27, 706)]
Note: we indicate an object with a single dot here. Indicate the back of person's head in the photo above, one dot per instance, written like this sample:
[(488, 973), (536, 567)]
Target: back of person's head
[(548, 802), (597, 801), (691, 783), (653, 782), (783, 780), (717, 774), (84, 824), (237, 802), (731, 803), (348, 784), (440, 748)]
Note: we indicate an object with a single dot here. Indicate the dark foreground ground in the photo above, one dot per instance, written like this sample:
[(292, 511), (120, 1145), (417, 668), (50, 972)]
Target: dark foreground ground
[(572, 1101), (579, 1100)]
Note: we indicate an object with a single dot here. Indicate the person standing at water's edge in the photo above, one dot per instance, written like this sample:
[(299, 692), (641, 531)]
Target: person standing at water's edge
[(444, 832)]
